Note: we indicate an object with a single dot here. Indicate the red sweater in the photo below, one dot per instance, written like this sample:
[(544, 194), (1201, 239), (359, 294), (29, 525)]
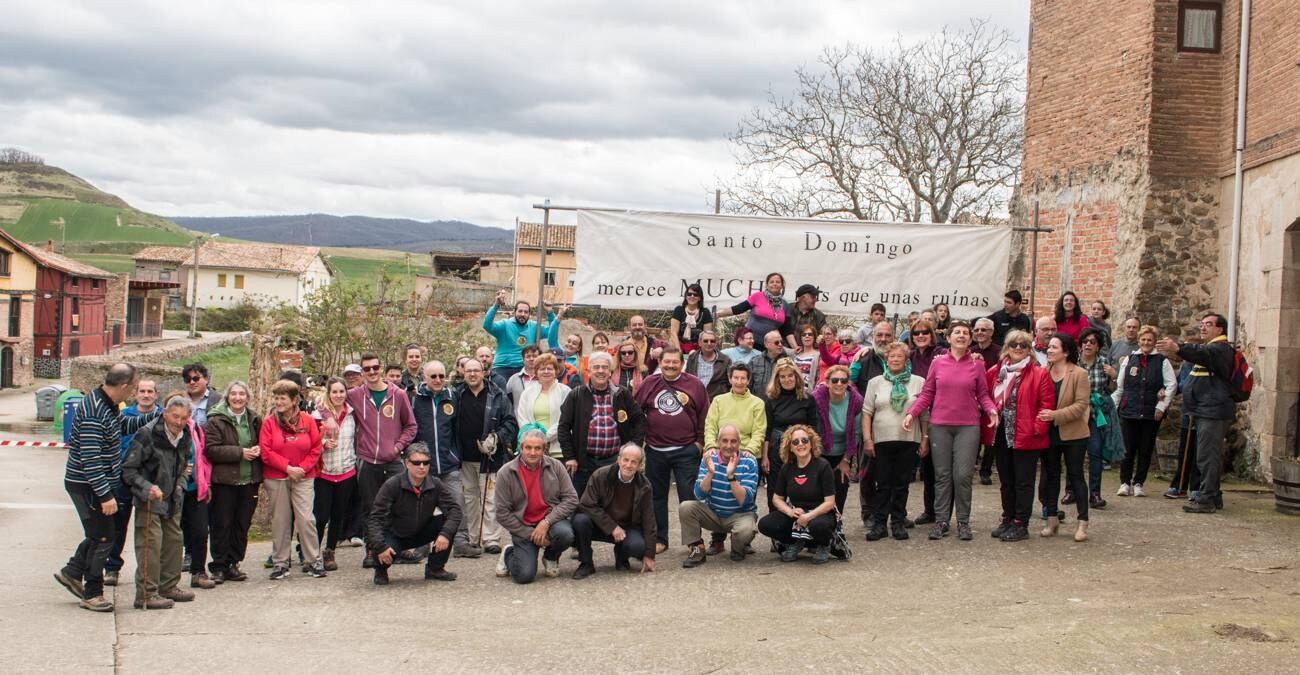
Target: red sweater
[(281, 451), (1034, 392)]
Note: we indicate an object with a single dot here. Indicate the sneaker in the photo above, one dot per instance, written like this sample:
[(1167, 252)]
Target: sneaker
[(269, 563), (1137, 490), (1174, 493), (279, 572), (1199, 507), (939, 531), (717, 547), (73, 585), (821, 555), (201, 580), (154, 602), (316, 570), (550, 568), (583, 571), (897, 531), (924, 519), (1015, 533), (328, 558), (749, 550), (1000, 529), (696, 558), (233, 573), (986, 480), (791, 552), (178, 594), (877, 531), (1124, 491), (466, 551), (110, 578), (963, 531), (492, 549), (440, 574), (502, 570), (1068, 498), (381, 576), (1096, 502), (737, 556), (351, 543), (96, 604)]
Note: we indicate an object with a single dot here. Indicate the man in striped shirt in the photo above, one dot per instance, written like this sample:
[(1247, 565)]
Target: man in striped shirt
[(94, 471), (725, 489)]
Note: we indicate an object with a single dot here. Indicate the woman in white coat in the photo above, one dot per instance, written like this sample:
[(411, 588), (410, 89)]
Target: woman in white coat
[(541, 400)]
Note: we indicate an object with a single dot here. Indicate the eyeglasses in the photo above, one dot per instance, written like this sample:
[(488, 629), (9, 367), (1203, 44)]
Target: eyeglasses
[(982, 329), (372, 369), (707, 341), (838, 380), (418, 462), (1018, 345), (800, 440), (692, 295), (621, 353), (846, 342), (436, 376), (921, 332), (194, 378)]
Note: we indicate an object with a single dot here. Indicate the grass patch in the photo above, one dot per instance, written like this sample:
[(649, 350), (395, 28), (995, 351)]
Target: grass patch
[(357, 268), (224, 364), (110, 262), (94, 222)]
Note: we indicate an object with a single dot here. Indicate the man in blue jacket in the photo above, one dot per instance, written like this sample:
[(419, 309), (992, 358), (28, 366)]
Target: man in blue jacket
[(515, 333), (1207, 398), (434, 406)]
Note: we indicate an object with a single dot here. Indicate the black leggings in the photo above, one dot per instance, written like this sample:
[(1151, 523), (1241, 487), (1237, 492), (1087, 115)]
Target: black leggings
[(332, 505), (778, 526), (1074, 453), (1140, 439), (892, 466), (1016, 469), (841, 486), (194, 529)]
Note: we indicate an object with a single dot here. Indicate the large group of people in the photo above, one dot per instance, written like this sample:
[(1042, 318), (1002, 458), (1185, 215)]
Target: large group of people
[(518, 451)]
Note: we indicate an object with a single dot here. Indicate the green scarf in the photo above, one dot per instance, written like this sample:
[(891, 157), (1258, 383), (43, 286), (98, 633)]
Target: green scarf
[(898, 394)]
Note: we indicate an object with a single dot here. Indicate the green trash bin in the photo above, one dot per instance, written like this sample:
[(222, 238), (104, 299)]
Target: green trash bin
[(58, 407)]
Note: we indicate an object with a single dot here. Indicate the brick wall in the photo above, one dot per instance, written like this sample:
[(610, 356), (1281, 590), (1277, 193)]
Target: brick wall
[(1272, 116), (1184, 140)]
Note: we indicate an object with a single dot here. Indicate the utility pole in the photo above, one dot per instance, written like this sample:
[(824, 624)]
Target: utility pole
[(541, 281), (194, 290)]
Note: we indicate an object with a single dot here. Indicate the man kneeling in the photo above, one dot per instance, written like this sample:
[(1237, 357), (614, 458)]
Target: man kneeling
[(617, 507), (725, 489), (534, 501), (402, 517)]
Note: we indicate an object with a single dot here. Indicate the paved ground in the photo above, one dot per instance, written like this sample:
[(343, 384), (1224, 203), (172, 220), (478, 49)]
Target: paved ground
[(1155, 590)]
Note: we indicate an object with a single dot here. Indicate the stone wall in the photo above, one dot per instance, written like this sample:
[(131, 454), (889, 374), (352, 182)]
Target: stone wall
[(87, 372)]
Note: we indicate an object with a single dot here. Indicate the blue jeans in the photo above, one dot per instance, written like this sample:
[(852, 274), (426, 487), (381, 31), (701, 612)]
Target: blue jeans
[(682, 466), (1094, 458), (121, 528), (521, 559)]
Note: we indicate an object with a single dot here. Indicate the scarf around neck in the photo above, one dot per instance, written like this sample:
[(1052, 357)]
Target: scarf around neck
[(898, 392), (1008, 375)]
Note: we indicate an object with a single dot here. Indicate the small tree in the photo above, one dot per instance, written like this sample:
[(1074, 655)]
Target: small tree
[(931, 130)]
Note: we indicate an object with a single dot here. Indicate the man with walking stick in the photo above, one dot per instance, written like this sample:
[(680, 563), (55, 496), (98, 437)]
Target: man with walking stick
[(485, 430)]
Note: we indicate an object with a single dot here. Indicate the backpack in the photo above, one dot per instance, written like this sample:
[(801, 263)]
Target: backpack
[(1241, 379)]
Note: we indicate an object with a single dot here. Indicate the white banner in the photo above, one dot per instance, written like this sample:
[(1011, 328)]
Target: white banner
[(644, 260)]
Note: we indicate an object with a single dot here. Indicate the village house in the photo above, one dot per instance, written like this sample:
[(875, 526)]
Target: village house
[(561, 263), (229, 273), (70, 314), (18, 307)]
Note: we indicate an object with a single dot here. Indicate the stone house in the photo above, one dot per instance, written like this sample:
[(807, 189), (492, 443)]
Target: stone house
[(1130, 128), (561, 263), (164, 264), (18, 307), (229, 273)]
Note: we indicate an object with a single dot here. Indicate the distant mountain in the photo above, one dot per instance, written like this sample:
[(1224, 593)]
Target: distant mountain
[(318, 229)]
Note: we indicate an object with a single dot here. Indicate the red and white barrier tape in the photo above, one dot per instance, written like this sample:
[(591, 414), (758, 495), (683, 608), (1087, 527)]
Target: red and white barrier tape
[(35, 444)]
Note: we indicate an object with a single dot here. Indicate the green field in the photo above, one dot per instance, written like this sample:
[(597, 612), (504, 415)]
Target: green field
[(352, 264), (109, 262), (93, 222), (224, 364)]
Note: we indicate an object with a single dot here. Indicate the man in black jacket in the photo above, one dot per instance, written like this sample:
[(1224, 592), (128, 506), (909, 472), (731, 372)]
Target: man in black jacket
[(1207, 399), (710, 365), (485, 433), (617, 507), (434, 407), (596, 420), (403, 518)]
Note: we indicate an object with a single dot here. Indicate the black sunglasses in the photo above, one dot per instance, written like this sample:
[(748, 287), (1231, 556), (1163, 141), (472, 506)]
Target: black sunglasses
[(921, 332), (800, 440), (627, 353), (1018, 345), (194, 378), (436, 376), (838, 380), (418, 462), (372, 369)]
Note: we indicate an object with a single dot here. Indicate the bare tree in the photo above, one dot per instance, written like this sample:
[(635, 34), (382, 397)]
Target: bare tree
[(16, 156), (931, 130)]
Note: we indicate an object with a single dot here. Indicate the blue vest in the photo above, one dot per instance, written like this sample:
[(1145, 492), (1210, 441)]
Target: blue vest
[(1142, 386)]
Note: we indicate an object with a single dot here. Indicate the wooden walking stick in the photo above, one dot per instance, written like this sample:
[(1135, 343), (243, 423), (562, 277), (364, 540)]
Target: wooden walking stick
[(148, 551), (1187, 444), (482, 509)]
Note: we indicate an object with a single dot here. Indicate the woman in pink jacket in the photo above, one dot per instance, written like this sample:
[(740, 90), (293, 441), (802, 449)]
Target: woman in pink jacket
[(291, 447), (955, 392)]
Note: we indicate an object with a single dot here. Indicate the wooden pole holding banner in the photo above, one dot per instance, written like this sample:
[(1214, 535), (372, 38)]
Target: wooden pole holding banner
[(541, 264)]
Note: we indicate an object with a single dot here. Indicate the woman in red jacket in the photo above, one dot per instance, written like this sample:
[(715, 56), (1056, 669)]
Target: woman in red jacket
[(1020, 389), (291, 447)]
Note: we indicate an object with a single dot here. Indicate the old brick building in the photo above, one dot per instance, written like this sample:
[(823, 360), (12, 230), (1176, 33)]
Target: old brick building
[(1129, 155)]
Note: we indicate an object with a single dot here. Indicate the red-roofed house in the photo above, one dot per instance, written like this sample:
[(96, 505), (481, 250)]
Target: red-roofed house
[(70, 319)]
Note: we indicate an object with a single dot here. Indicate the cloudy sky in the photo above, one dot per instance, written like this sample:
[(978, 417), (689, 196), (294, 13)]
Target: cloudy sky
[(427, 110)]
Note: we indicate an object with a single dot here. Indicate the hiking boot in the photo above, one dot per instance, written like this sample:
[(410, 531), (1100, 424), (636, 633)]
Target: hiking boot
[(986, 480), (898, 531), (584, 571), (1124, 490), (1175, 493), (791, 552), (73, 585), (1015, 532), (178, 594), (218, 576), (466, 551), (1096, 502), (696, 558), (939, 531), (316, 569), (1138, 491), (1001, 528), (492, 549), (201, 580), (924, 519), (821, 555), (877, 531), (110, 578), (737, 556), (369, 561), (279, 572), (154, 602), (716, 547), (440, 574), (502, 570), (963, 531), (330, 563), (233, 573), (381, 576), (96, 604), (1199, 507)]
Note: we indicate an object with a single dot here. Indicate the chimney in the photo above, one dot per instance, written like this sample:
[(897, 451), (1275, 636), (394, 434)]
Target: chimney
[(49, 245)]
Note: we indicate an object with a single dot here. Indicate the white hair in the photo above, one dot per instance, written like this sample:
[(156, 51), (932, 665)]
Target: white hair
[(600, 355)]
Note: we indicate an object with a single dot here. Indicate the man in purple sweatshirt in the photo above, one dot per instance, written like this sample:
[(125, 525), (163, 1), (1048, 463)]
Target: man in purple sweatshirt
[(675, 405), (385, 426)]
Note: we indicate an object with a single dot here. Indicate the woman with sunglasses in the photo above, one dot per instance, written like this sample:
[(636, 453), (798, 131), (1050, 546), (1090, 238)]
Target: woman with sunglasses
[(807, 357), (1069, 315), (541, 401), (839, 413), (1021, 390), (689, 319), (628, 369), (955, 392), (892, 450), (767, 309), (803, 507), (1103, 439), (842, 351), (336, 485), (788, 404), (1068, 436)]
